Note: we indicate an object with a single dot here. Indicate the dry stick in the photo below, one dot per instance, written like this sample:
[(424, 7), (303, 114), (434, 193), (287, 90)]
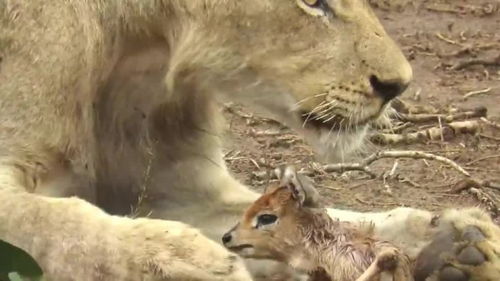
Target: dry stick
[(420, 118), (446, 39), (469, 183), (474, 186), (398, 128), (491, 123), (475, 183), (365, 163), (475, 93), (485, 62), (402, 107), (442, 9), (489, 137), (247, 116), (486, 199), (434, 133), (481, 159), (469, 49)]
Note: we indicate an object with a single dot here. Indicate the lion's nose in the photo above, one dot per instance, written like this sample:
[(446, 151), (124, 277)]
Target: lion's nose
[(226, 238), (388, 90)]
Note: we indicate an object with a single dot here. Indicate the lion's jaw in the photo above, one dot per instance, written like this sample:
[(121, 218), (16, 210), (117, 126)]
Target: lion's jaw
[(326, 71)]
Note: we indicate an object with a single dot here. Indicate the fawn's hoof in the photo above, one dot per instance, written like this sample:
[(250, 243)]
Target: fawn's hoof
[(387, 260)]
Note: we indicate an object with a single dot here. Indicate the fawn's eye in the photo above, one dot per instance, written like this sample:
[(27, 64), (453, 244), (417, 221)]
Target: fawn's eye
[(266, 219)]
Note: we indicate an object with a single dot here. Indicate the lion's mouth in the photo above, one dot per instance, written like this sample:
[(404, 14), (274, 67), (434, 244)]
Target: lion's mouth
[(334, 123)]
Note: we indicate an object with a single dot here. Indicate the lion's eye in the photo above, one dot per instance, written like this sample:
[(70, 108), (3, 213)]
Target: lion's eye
[(312, 3)]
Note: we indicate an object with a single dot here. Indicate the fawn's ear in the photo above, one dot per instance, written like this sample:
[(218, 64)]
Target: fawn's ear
[(302, 188)]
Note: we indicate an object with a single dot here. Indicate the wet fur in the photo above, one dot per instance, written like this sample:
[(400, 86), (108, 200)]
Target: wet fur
[(309, 240), (343, 249)]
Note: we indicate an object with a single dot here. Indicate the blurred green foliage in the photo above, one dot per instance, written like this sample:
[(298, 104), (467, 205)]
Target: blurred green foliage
[(17, 265)]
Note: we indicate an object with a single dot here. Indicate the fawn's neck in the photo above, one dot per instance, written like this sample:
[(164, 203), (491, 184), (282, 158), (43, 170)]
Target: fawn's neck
[(334, 245)]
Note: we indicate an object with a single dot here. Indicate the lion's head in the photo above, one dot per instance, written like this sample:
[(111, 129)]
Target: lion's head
[(325, 68)]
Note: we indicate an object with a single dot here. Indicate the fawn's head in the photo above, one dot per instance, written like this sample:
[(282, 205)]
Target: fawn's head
[(268, 228)]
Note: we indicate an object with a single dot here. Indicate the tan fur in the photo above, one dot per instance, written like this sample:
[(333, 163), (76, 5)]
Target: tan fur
[(94, 93), (411, 230), (310, 241)]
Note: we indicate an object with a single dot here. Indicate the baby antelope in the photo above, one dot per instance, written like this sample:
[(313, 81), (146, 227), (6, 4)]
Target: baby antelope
[(285, 224)]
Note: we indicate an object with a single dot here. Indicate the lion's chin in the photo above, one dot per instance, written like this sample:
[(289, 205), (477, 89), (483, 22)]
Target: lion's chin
[(332, 146)]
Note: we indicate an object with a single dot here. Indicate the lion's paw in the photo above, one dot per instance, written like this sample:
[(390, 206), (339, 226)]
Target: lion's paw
[(460, 254), (175, 251)]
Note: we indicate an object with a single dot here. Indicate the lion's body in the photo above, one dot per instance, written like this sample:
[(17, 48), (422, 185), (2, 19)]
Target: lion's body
[(116, 100), (82, 100)]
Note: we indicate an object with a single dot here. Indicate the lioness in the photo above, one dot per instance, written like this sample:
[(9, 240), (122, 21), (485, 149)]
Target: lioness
[(115, 100)]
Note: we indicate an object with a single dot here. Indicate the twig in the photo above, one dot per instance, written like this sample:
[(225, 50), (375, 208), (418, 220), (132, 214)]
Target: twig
[(475, 93), (491, 123), (489, 137), (434, 133), (344, 167), (329, 187), (414, 155), (481, 159), (365, 163), (397, 128), (394, 167), (250, 118), (420, 118), (441, 8), (441, 129), (474, 187), (410, 182), (445, 39), (416, 96), (485, 62), (402, 107), (486, 199), (473, 183)]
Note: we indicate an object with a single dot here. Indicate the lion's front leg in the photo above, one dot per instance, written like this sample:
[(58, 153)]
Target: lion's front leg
[(73, 240), (174, 251), (199, 193), (211, 200)]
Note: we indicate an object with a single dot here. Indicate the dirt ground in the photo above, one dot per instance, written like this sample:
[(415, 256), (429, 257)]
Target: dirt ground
[(437, 37)]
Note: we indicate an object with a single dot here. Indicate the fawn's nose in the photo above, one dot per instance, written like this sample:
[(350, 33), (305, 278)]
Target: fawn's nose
[(226, 238), (388, 90)]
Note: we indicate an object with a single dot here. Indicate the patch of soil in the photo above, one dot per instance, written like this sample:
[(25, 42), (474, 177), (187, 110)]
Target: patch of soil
[(439, 38)]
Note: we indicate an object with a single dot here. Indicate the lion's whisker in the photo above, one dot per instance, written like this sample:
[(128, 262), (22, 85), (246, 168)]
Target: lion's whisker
[(330, 118), (309, 98)]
